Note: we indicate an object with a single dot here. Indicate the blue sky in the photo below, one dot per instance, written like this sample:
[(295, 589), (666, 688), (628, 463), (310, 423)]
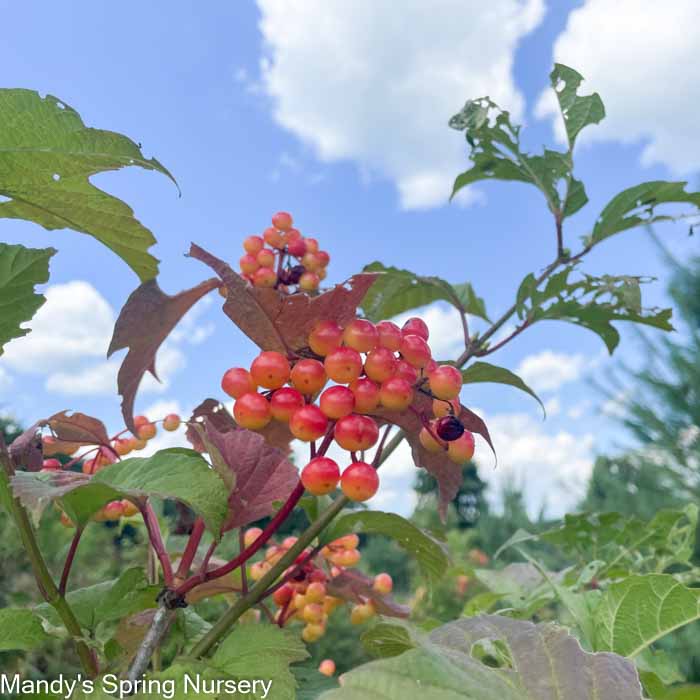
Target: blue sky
[(337, 112)]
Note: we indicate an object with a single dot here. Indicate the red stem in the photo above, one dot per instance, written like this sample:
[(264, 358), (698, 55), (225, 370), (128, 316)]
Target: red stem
[(244, 573), (190, 550), (247, 553), (69, 561), (153, 529)]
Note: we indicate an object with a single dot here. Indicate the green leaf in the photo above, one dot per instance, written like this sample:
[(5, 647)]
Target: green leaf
[(176, 473), (47, 157), (131, 593), (84, 602), (262, 651), (430, 554), (636, 206), (385, 639), (21, 269), (591, 302), (577, 110), (20, 629), (533, 662), (396, 291), (311, 683), (640, 610), (485, 372)]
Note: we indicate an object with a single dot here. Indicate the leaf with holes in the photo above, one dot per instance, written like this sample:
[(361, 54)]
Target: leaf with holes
[(492, 658), (260, 475), (280, 322), (145, 321), (430, 554), (47, 157), (174, 473), (485, 372), (21, 269), (591, 302), (636, 206), (396, 291), (354, 587), (639, 610)]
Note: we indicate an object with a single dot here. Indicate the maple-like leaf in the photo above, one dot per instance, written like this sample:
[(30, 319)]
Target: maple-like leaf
[(144, 322), (26, 450), (259, 476), (355, 587), (282, 322), (75, 430), (447, 474)]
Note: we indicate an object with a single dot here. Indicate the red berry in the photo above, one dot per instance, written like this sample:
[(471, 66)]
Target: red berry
[(252, 411), (147, 431), (337, 402), (361, 335), (311, 245), (139, 421), (396, 394), (283, 595), (355, 432), (264, 277), (270, 369), (296, 247), (383, 583), (325, 337), (308, 423), (327, 667), (51, 464), (282, 221), (407, 372), (238, 381), (389, 335), (445, 382), (359, 481), (308, 376), (415, 326), (343, 365), (446, 408), (171, 422), (273, 238), (380, 364), (309, 282), (122, 446), (430, 368), (415, 350), (320, 476), (311, 262), (323, 257), (428, 441), (249, 263), (266, 258), (462, 449), (448, 428), (366, 395), (284, 402), (253, 244), (251, 534)]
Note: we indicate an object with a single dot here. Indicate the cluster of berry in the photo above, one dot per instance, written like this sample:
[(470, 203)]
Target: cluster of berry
[(119, 447), (304, 597), (290, 260), (372, 366)]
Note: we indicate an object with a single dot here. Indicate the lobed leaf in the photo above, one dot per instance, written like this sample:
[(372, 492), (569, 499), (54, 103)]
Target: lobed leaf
[(145, 321), (21, 269), (485, 372), (27, 450), (21, 630), (47, 157), (430, 554), (396, 291)]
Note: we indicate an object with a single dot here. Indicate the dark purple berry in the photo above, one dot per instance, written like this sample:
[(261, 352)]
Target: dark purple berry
[(295, 274), (449, 428)]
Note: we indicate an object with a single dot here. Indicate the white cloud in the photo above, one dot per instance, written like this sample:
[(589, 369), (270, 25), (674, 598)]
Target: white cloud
[(375, 82), (642, 59), (551, 468), (552, 406), (5, 379), (445, 326), (69, 338), (547, 370)]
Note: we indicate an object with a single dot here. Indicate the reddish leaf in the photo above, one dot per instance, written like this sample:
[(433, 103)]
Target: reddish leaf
[(276, 321), (447, 474), (262, 474), (26, 450), (355, 587), (76, 429), (144, 322)]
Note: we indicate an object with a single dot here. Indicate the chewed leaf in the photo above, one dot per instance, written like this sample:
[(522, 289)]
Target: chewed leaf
[(47, 157), (27, 450), (76, 429), (144, 322), (355, 587), (280, 322)]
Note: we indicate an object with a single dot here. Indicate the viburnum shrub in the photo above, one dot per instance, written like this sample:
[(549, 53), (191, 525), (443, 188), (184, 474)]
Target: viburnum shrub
[(334, 372)]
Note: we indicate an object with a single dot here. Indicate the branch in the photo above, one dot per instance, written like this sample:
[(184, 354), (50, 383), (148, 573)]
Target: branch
[(69, 561), (41, 573), (157, 630), (153, 530)]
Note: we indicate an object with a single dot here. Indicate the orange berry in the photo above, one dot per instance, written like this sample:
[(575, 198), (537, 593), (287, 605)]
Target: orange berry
[(361, 335), (445, 382), (284, 402), (129, 509), (147, 431), (309, 281), (320, 476), (137, 443), (264, 277), (343, 365), (366, 394), (258, 570), (251, 534), (361, 613), (253, 244), (312, 245), (461, 450), (283, 595), (273, 238), (428, 441), (312, 633), (311, 262), (308, 376), (442, 408), (308, 423), (249, 264), (389, 335), (50, 465), (266, 258), (313, 612), (416, 326), (270, 369), (407, 372), (356, 432), (359, 482), (396, 394), (316, 592), (325, 337), (282, 221), (337, 401), (171, 422), (113, 510), (237, 381), (323, 257), (252, 411), (327, 667), (349, 557), (415, 350), (383, 583)]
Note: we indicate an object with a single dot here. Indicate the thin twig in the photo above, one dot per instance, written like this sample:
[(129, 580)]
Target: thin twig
[(69, 561)]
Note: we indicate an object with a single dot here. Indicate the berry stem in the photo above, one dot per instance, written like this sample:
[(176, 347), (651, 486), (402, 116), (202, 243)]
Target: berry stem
[(69, 561), (153, 529), (190, 550)]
